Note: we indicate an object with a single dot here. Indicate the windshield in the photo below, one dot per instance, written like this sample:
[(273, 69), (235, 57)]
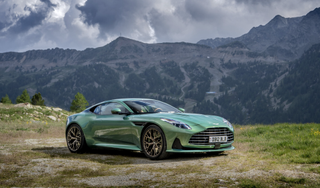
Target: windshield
[(150, 106)]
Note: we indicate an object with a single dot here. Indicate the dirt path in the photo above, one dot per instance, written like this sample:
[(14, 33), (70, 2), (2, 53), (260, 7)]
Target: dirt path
[(186, 81)]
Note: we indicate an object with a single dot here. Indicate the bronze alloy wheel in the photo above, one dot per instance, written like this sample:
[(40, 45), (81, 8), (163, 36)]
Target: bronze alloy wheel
[(75, 139), (154, 143)]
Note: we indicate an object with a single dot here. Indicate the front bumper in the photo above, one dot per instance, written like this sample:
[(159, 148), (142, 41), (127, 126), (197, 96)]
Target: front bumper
[(200, 150), (199, 142)]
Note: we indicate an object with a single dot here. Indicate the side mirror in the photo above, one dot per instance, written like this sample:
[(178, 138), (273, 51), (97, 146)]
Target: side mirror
[(182, 110), (116, 111)]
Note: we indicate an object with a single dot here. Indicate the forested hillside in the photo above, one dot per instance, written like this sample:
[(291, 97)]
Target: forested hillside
[(256, 93), (249, 87), (300, 89)]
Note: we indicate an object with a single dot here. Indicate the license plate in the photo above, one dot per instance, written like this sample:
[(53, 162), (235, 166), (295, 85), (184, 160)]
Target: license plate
[(213, 139)]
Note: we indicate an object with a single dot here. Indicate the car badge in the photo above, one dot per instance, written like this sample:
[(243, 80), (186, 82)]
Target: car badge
[(215, 123)]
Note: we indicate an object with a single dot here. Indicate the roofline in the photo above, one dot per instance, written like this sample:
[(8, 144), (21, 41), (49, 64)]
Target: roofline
[(119, 100)]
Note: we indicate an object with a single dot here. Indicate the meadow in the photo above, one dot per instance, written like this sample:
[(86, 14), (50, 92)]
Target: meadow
[(33, 153)]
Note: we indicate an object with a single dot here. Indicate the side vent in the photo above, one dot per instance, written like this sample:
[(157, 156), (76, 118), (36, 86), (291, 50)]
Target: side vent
[(140, 123), (176, 144)]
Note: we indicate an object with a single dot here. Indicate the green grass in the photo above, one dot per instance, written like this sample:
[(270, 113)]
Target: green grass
[(39, 127), (292, 180), (86, 172), (249, 183), (9, 113), (292, 143), (316, 169), (277, 149)]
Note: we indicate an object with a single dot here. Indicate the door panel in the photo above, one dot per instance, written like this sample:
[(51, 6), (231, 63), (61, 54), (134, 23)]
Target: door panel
[(112, 128)]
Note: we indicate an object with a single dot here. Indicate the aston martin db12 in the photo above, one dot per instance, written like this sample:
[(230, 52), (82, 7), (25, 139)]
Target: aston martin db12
[(147, 125)]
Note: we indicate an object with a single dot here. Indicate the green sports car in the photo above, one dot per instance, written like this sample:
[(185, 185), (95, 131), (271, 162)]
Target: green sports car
[(147, 125)]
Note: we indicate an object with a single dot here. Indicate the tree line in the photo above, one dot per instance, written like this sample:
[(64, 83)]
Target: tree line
[(78, 104)]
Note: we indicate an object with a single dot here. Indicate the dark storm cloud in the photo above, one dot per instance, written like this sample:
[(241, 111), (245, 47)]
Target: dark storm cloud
[(202, 11), (35, 18), (271, 2), (48, 3), (113, 15), (79, 24), (256, 2), (2, 25), (4, 10), (26, 22)]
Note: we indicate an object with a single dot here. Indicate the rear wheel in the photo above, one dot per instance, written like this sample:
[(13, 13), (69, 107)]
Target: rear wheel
[(154, 143), (75, 139)]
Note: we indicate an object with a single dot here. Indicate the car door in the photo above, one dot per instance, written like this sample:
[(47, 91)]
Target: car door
[(112, 128)]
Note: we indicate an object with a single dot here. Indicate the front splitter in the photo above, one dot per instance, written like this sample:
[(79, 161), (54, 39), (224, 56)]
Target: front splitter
[(199, 150)]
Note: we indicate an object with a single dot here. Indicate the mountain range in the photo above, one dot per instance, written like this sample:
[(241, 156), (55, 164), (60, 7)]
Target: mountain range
[(282, 38), (249, 76)]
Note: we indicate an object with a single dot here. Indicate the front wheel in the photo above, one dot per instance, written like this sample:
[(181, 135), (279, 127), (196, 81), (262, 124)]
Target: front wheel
[(154, 143), (75, 139)]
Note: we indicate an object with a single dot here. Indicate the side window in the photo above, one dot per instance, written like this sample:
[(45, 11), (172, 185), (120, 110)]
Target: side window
[(106, 108), (97, 110)]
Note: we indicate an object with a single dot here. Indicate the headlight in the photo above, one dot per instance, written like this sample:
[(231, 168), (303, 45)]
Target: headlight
[(177, 123), (228, 123)]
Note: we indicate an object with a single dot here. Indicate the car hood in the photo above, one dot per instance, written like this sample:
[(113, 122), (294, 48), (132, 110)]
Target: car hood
[(191, 119)]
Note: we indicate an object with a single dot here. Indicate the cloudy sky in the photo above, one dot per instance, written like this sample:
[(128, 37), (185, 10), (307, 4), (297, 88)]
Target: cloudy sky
[(79, 24)]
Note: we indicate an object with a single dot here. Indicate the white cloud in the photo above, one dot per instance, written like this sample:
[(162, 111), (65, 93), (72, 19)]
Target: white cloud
[(78, 24)]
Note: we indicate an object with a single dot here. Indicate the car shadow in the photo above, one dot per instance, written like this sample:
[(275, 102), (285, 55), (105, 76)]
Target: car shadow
[(119, 157)]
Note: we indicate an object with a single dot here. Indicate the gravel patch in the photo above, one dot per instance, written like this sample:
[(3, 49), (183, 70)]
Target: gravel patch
[(132, 169), (5, 152), (42, 166), (297, 174), (53, 142), (124, 180)]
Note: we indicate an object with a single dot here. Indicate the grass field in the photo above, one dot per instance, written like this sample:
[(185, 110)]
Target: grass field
[(288, 143), (34, 154)]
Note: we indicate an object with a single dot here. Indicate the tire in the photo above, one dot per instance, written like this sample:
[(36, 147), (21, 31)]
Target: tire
[(153, 143), (75, 139)]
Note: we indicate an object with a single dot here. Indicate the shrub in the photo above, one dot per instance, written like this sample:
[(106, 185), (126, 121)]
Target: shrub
[(24, 97), (37, 99), (6, 100), (79, 103)]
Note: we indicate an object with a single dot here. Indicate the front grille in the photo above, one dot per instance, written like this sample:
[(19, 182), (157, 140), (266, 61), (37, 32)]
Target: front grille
[(202, 138)]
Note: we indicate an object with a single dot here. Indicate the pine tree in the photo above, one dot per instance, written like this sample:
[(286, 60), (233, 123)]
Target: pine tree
[(79, 103), (6, 100), (37, 100), (24, 97)]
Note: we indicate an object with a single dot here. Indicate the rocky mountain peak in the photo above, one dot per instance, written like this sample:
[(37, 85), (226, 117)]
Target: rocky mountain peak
[(278, 21), (283, 38), (315, 12), (123, 41), (312, 17)]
